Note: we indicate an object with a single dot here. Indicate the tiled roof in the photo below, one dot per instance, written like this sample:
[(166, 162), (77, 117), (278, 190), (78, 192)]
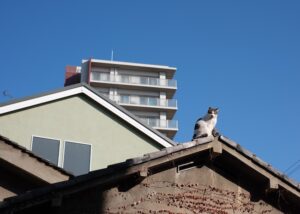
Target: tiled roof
[(116, 171)]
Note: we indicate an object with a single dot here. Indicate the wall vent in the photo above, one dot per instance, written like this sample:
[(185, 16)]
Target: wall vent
[(186, 166)]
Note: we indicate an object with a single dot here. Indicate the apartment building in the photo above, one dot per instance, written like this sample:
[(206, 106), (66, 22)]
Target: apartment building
[(145, 90)]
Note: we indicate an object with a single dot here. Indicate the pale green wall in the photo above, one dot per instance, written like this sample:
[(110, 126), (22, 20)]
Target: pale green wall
[(78, 119)]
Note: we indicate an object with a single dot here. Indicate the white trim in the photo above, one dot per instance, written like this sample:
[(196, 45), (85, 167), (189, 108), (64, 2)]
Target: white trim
[(71, 141), (133, 64), (62, 154), (92, 95), (39, 100), (59, 161)]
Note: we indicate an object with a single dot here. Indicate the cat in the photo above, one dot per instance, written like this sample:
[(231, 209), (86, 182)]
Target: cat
[(205, 126)]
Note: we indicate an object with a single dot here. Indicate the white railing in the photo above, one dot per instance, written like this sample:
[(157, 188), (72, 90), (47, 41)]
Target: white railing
[(136, 80), (158, 123), (145, 101)]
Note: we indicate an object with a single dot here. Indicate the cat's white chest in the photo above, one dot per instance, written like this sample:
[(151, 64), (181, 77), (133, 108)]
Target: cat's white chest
[(211, 124)]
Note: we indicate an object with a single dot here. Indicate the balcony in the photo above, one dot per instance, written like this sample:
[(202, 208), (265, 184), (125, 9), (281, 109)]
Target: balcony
[(145, 101), (133, 80), (161, 124)]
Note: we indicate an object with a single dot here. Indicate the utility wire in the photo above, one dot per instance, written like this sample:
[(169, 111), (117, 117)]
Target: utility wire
[(292, 167), (294, 170)]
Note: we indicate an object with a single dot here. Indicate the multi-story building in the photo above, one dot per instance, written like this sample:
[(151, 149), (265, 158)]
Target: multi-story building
[(145, 90)]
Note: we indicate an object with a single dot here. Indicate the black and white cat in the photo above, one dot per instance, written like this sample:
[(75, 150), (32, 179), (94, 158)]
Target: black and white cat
[(205, 126)]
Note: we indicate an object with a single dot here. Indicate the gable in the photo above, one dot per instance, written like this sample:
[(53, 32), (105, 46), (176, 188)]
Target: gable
[(199, 189), (78, 119), (84, 89)]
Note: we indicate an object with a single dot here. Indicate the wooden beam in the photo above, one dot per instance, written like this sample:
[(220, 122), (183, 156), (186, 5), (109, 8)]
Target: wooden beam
[(217, 148), (143, 172)]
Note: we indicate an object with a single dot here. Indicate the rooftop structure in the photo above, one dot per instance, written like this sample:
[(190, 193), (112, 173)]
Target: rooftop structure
[(145, 90), (207, 175)]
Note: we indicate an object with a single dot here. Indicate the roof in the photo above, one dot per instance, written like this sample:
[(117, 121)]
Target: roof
[(137, 166), (203, 141), (88, 91), (20, 157), (138, 65)]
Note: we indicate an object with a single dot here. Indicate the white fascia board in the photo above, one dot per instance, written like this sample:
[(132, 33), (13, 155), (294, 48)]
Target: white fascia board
[(95, 97), (127, 118), (38, 100), (133, 64)]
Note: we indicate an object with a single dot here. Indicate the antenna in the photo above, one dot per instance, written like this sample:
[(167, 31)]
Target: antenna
[(7, 94), (112, 55)]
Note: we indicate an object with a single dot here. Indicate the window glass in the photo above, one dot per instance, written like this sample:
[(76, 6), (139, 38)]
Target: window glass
[(104, 76), (46, 148), (124, 99), (153, 81), (77, 158), (144, 100), (125, 79), (135, 79), (134, 100), (95, 75), (153, 101)]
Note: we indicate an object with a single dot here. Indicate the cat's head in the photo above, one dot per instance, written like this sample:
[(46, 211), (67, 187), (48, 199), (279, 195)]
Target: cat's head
[(213, 111)]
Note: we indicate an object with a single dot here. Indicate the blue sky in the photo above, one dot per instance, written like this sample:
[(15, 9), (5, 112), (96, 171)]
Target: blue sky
[(241, 56)]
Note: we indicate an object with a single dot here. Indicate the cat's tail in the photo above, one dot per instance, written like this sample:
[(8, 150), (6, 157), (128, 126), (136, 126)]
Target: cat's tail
[(200, 136)]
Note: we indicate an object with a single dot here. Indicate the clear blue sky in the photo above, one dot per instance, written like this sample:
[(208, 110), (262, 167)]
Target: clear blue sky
[(241, 56)]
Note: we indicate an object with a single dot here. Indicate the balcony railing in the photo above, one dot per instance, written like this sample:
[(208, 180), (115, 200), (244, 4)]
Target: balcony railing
[(160, 124), (145, 101), (135, 80)]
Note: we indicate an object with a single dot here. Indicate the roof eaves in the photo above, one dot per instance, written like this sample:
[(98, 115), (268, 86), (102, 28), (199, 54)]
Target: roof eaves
[(164, 152), (259, 161)]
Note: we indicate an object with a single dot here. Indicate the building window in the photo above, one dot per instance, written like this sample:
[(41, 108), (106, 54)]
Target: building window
[(77, 158), (151, 120), (100, 76), (104, 76), (125, 99), (46, 148)]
